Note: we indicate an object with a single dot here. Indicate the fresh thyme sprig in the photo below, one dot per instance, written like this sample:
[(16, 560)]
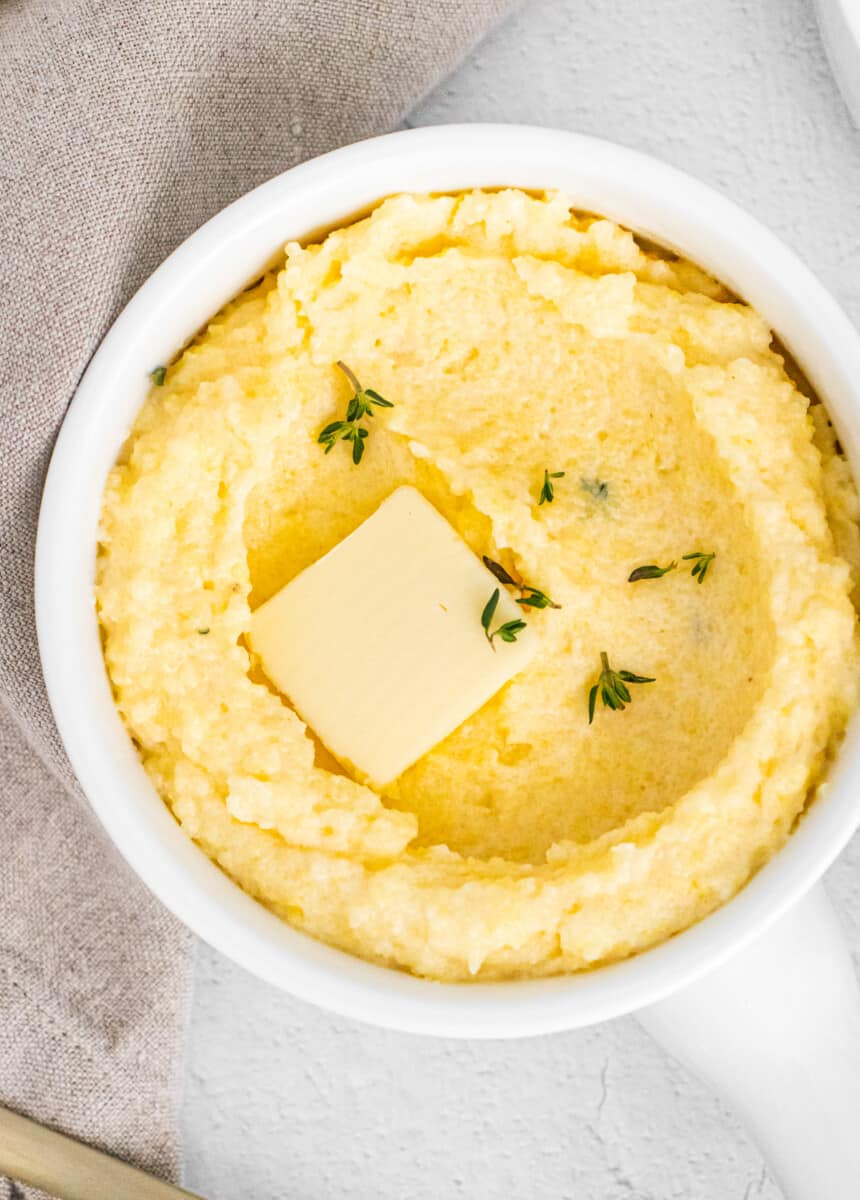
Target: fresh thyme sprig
[(529, 597), (547, 491), (612, 687), (507, 632), (158, 375), (361, 405), (533, 598), (700, 562), (651, 572)]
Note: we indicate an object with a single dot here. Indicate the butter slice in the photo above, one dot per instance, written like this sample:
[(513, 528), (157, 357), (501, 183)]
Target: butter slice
[(379, 645)]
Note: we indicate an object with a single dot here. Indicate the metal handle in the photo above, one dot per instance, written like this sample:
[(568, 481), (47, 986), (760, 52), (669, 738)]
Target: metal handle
[(70, 1170)]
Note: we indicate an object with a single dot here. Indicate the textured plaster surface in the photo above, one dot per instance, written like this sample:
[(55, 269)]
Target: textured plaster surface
[(283, 1101)]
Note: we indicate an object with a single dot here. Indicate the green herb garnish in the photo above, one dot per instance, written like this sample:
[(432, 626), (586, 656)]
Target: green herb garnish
[(612, 686), (700, 562), (499, 571), (530, 597), (203, 632), (344, 431), (598, 489), (158, 375), (547, 492), (507, 632), (533, 598), (361, 405), (650, 572)]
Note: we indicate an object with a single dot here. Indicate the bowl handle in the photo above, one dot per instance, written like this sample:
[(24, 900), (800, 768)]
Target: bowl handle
[(776, 1031)]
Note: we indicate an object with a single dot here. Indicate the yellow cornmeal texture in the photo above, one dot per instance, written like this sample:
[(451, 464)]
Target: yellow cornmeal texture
[(512, 335)]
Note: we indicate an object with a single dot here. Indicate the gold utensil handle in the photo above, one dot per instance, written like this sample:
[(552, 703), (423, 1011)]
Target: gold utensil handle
[(70, 1170)]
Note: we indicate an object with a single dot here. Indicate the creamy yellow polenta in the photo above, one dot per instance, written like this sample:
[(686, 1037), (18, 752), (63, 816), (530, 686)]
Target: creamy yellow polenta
[(512, 335)]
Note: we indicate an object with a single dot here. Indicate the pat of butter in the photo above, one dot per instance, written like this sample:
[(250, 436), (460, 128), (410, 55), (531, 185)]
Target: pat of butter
[(379, 644)]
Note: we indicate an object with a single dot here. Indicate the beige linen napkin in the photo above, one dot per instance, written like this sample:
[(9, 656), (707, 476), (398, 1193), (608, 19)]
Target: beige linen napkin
[(123, 126)]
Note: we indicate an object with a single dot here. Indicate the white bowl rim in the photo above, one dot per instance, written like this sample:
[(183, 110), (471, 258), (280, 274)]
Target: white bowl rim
[(655, 199), (839, 23)]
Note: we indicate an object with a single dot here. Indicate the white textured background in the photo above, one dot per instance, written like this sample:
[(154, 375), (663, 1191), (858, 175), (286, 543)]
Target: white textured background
[(283, 1102)]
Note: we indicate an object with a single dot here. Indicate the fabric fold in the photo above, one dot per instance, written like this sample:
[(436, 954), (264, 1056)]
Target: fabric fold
[(123, 127)]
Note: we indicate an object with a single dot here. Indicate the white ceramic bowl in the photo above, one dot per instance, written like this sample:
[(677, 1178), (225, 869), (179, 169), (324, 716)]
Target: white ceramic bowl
[(839, 22), (193, 283)]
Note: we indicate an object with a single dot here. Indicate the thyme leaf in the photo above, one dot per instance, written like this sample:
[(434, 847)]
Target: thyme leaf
[(490, 610), (360, 406), (508, 632), (158, 375), (534, 598), (530, 597), (612, 687), (650, 572), (701, 563), (547, 491), (499, 571)]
